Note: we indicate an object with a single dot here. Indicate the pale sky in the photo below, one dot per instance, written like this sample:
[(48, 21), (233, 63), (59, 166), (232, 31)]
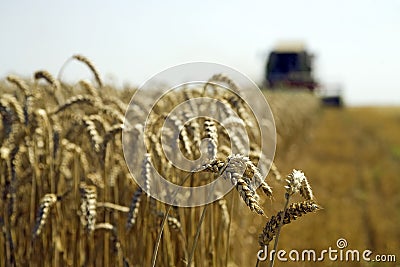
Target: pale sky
[(356, 43)]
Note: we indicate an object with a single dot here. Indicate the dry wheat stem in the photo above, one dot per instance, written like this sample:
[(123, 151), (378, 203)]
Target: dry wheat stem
[(165, 219)]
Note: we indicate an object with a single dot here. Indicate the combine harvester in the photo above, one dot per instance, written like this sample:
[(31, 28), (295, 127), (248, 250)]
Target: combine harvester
[(290, 66)]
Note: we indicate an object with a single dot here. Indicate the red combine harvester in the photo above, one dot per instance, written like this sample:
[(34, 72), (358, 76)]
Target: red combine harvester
[(290, 66)]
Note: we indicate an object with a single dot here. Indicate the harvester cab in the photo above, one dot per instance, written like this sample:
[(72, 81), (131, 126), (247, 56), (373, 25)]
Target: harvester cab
[(289, 65)]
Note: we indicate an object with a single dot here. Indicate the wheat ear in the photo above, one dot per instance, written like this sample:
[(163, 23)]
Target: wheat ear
[(225, 79), (8, 100), (88, 207), (134, 207), (95, 138), (305, 190), (295, 183), (233, 170), (45, 75), (76, 100), (46, 203), (19, 83), (91, 66), (173, 222), (211, 134), (294, 211), (89, 88)]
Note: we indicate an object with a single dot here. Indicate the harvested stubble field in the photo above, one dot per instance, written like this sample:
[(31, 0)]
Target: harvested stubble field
[(68, 198)]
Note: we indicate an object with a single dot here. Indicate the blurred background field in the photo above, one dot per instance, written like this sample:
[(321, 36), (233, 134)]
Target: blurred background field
[(350, 156)]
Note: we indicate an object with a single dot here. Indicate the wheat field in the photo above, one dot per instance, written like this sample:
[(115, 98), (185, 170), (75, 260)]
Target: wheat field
[(69, 199)]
